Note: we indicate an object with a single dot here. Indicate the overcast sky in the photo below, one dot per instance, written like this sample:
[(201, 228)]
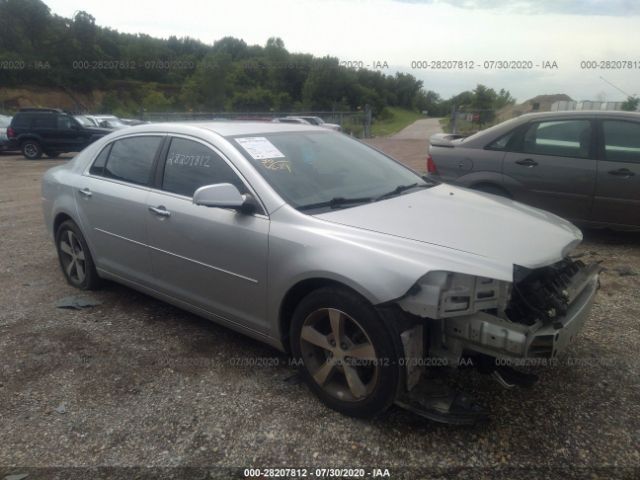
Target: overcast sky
[(401, 31)]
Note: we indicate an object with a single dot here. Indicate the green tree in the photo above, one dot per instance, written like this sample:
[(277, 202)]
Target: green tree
[(631, 104)]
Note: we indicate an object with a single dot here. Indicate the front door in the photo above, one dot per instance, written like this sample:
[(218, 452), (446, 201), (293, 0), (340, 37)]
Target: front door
[(213, 258), (554, 168)]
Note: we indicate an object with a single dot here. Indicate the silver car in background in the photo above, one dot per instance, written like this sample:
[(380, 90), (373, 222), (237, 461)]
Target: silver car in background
[(581, 165), (321, 246)]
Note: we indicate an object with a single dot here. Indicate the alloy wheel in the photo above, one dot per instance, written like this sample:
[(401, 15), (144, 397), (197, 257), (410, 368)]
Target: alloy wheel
[(339, 354), (73, 257)]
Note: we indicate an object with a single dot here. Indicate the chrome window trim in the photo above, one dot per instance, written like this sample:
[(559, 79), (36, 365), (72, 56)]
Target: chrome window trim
[(217, 151), (229, 163)]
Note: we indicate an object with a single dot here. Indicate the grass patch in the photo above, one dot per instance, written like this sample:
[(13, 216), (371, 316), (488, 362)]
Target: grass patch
[(392, 120)]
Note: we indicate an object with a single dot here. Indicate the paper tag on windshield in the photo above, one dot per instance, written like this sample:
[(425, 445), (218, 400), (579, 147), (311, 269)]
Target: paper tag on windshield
[(259, 148)]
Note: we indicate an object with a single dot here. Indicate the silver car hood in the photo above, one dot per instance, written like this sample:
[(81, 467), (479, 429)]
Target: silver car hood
[(457, 218)]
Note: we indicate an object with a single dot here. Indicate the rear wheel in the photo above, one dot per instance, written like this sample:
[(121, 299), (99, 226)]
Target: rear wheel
[(31, 149), (348, 357), (75, 258)]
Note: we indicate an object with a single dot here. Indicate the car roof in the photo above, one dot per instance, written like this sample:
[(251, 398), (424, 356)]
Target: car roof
[(483, 137), (230, 128), (582, 113)]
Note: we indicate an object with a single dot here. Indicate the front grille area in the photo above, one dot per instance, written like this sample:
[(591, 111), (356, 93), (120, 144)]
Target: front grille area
[(543, 294)]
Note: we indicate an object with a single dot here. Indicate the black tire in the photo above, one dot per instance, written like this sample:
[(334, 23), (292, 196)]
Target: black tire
[(381, 387), (53, 154), (493, 189), (72, 247), (31, 149)]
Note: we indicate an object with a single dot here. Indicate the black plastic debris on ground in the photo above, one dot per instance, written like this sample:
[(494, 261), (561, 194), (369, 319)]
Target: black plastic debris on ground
[(77, 303), (625, 271)]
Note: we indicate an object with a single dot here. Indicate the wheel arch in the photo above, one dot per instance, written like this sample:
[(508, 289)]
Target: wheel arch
[(293, 297), (29, 136), (486, 184), (60, 218)]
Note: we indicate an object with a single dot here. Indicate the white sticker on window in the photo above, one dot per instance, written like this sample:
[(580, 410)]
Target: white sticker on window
[(259, 148)]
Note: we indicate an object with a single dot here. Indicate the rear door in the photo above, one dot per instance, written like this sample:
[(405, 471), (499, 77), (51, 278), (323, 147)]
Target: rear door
[(112, 203), (45, 126), (617, 198), (553, 166), (213, 258)]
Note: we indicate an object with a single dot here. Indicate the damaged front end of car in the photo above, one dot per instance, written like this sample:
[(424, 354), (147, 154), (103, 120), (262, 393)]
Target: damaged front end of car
[(494, 324)]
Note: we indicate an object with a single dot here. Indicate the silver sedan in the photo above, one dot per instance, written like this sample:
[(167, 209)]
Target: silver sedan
[(321, 246)]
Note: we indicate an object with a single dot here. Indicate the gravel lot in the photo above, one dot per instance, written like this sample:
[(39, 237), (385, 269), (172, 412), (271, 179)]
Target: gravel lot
[(135, 382)]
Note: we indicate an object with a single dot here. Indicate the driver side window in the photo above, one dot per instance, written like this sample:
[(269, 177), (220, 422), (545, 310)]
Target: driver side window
[(190, 165)]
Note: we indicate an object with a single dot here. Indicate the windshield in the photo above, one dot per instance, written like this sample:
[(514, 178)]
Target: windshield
[(4, 121), (317, 170)]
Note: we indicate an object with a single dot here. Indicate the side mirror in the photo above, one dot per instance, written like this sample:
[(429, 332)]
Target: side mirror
[(224, 195)]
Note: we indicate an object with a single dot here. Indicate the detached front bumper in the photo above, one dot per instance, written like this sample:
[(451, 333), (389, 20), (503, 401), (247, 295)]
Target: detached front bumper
[(501, 338)]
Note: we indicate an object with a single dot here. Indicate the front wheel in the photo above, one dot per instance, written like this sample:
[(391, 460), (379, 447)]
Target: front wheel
[(75, 258), (348, 357), (31, 149)]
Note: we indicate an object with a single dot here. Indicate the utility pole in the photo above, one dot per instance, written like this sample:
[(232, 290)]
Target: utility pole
[(454, 119)]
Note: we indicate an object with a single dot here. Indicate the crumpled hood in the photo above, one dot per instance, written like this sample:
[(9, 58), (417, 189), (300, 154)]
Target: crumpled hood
[(481, 224)]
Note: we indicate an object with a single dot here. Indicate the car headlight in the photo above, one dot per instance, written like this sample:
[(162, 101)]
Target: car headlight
[(448, 294)]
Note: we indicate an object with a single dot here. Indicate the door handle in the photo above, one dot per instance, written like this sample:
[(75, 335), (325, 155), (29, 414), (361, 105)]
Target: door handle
[(161, 211), (85, 192), (527, 162), (622, 172)]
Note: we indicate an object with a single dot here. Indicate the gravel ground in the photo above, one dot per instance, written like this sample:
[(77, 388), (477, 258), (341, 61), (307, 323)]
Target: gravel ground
[(137, 383)]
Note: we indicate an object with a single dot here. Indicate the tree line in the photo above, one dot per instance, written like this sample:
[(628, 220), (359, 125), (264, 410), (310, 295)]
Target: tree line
[(38, 48)]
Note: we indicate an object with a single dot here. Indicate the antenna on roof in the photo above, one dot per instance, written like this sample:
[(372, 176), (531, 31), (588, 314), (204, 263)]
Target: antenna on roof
[(617, 88)]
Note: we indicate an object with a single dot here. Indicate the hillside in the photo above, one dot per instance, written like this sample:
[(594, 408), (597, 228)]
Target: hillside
[(123, 73)]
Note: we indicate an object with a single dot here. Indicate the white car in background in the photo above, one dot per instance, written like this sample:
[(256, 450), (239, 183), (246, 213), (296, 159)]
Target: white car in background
[(108, 121), (4, 124), (317, 121), (308, 120)]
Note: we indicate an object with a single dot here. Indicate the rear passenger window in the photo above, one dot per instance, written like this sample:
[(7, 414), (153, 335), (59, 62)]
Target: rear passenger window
[(621, 141), (191, 165), (21, 121), (562, 138), (98, 164), (131, 159)]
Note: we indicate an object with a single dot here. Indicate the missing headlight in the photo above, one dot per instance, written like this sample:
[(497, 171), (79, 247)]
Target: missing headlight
[(447, 294)]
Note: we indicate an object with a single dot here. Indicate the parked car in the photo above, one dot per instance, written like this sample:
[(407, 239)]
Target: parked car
[(295, 120), (583, 166), (85, 120), (4, 124), (51, 131), (108, 121), (133, 121), (317, 121), (319, 245)]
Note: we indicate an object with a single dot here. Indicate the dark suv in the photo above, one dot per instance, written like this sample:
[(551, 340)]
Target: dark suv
[(50, 131)]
